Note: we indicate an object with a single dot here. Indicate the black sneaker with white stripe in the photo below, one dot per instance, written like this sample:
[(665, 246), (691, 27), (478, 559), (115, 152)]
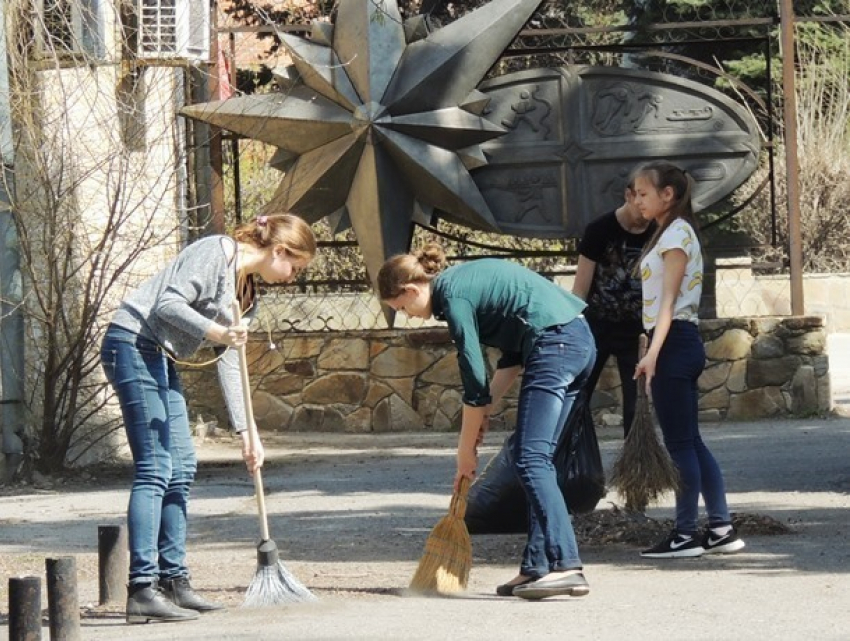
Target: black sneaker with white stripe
[(728, 543), (675, 546)]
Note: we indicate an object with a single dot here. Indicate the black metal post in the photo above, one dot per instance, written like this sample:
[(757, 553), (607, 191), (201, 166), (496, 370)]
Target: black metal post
[(62, 605), (25, 608), (112, 562)]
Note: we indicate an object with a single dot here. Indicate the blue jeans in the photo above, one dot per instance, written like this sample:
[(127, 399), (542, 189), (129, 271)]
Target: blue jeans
[(157, 426), (558, 366), (676, 399)]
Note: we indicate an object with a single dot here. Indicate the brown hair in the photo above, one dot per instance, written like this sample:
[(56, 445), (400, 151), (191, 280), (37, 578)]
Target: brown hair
[(663, 174), (421, 266), (279, 229)]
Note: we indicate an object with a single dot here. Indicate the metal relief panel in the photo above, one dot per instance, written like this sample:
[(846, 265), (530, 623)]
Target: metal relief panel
[(575, 134), (525, 182), (636, 116)]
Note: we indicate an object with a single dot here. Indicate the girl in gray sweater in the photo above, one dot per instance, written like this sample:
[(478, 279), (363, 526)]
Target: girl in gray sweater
[(169, 317)]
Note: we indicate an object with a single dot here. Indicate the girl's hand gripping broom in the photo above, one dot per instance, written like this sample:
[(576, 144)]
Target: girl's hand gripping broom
[(643, 471), (272, 584), (444, 566)]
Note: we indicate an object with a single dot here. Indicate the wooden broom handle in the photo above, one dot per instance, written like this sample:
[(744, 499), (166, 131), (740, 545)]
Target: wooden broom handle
[(643, 346), (457, 507), (252, 431)]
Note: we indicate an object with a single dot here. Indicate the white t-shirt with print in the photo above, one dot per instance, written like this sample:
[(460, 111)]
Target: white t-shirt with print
[(679, 235)]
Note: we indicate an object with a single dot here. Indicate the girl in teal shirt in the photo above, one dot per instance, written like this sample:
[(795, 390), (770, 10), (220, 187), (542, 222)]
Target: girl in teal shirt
[(540, 331)]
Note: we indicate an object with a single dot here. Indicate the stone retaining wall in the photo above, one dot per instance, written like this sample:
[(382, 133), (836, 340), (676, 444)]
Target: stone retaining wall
[(399, 380)]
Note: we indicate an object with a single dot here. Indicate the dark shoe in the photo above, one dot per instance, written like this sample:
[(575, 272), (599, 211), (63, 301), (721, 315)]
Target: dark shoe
[(146, 602), (180, 592), (507, 589), (722, 543), (675, 546), (570, 585)]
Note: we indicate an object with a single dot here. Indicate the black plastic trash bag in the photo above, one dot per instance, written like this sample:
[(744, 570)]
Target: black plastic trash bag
[(578, 462), (496, 503)]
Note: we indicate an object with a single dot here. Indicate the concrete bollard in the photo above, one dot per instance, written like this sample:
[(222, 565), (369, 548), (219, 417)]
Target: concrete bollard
[(62, 604), (112, 563), (25, 608)]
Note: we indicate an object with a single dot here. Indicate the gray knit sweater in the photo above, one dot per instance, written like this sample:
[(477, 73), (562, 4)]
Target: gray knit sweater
[(179, 304)]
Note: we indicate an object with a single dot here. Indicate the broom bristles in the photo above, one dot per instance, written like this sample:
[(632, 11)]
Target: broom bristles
[(447, 559), (275, 585), (643, 471)]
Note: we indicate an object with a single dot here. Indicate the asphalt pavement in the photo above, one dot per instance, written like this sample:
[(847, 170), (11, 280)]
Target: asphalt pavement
[(792, 586), (348, 494)]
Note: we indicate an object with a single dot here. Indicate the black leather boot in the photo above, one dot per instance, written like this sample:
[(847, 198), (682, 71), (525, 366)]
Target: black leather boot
[(181, 593), (146, 602)]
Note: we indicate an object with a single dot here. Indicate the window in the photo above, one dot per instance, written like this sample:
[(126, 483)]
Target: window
[(71, 27), (169, 29)]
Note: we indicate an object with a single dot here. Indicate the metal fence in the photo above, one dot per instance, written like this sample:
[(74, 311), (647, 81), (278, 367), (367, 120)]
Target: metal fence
[(747, 260)]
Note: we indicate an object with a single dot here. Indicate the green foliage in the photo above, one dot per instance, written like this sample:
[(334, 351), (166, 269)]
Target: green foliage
[(750, 69)]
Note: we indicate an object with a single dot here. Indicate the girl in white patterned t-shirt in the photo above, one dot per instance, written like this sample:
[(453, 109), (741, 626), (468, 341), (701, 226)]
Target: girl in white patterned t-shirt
[(671, 275)]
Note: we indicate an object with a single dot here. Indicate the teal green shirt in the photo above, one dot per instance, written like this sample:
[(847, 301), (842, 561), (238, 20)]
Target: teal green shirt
[(499, 304)]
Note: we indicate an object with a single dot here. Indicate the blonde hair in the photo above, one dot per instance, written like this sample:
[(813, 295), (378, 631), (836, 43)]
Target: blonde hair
[(279, 229), (421, 266)]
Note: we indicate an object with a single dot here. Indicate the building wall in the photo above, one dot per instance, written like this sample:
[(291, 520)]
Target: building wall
[(99, 153)]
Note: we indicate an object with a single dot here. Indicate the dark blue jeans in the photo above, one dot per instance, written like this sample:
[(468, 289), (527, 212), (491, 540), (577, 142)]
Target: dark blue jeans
[(676, 399), (157, 426), (558, 366)]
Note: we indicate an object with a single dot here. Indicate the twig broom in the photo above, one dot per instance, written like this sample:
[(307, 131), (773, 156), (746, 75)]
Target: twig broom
[(447, 559), (643, 470), (272, 584)]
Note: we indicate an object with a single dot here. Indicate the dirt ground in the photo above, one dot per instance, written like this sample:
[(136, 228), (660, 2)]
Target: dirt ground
[(350, 515)]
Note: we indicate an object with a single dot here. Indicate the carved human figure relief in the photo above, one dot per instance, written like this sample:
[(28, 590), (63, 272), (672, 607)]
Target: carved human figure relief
[(529, 191), (621, 108), (530, 109)]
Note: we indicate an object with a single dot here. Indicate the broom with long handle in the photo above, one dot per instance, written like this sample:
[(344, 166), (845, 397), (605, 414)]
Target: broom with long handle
[(643, 471), (445, 564), (272, 584)]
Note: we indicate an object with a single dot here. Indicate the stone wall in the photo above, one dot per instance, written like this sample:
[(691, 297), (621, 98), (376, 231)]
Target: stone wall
[(407, 380), (755, 368)]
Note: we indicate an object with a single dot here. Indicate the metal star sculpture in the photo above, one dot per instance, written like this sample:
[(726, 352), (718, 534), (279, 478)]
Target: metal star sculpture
[(382, 122)]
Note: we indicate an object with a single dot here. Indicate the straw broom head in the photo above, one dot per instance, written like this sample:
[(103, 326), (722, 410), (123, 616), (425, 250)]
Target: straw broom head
[(445, 564), (643, 471)]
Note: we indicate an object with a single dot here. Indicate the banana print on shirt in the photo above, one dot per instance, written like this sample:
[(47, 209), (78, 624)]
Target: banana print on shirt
[(679, 235), (696, 281)]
